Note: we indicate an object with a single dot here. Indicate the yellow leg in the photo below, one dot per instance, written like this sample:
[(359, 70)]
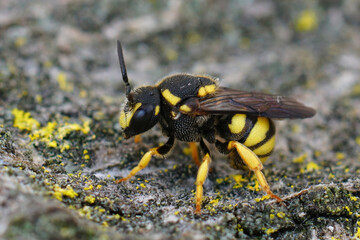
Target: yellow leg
[(137, 138), (200, 179), (194, 153), (161, 151), (254, 164), (141, 165)]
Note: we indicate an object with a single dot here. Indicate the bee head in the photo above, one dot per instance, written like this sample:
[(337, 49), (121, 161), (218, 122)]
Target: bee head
[(141, 111)]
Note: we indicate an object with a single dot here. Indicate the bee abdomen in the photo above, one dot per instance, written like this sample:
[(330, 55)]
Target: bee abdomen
[(257, 133), (261, 139)]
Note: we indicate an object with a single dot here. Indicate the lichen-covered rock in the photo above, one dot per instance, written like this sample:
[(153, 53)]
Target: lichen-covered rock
[(61, 146)]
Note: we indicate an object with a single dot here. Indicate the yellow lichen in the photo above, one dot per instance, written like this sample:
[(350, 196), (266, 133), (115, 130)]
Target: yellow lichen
[(85, 212), (210, 209), (348, 210), (238, 180), (340, 155), (90, 199), (52, 144), (49, 134), (20, 41), (311, 166), (300, 159), (193, 37), (171, 54), (214, 202), (67, 128), (64, 147), (44, 134), (357, 234), (24, 121), (295, 128), (63, 83), (256, 187), (105, 224), (280, 214), (48, 64), (353, 198), (60, 192), (90, 187), (38, 98), (306, 21), (219, 180), (357, 140), (270, 231), (57, 195), (187, 151), (83, 93), (317, 153), (265, 197)]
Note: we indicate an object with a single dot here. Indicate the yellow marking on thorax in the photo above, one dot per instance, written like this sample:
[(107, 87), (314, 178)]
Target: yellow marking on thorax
[(205, 90), (258, 132), (266, 147), (157, 110), (173, 114), (125, 117), (237, 123), (171, 98), (185, 108)]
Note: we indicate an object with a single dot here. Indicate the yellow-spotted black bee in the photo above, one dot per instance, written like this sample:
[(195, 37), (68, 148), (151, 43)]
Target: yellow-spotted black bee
[(193, 108)]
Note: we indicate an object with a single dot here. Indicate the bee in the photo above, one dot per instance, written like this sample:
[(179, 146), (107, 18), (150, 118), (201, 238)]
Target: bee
[(194, 108)]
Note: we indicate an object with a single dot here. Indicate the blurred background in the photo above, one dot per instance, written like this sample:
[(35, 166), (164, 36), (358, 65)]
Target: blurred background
[(256, 43), (61, 92)]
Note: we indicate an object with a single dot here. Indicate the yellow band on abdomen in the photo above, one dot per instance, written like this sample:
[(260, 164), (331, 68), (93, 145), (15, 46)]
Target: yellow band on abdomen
[(258, 132), (237, 124)]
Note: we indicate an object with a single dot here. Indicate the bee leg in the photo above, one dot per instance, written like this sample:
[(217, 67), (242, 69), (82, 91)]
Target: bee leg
[(254, 164), (194, 153), (201, 176), (162, 151), (137, 138)]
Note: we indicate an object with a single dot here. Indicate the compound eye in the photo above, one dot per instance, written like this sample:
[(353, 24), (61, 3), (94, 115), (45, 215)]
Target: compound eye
[(142, 117), (139, 114)]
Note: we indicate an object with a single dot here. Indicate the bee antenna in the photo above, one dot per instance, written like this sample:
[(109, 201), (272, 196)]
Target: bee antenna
[(123, 67)]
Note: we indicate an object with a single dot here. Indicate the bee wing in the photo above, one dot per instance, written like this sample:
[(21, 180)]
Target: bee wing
[(230, 101)]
